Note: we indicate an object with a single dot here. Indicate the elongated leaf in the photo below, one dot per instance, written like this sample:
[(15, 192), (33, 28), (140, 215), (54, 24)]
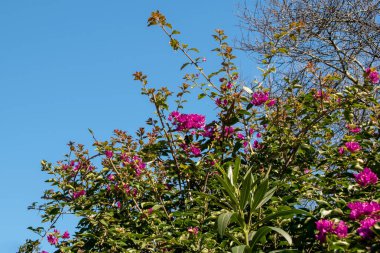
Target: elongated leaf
[(245, 192), (240, 249), (284, 213), (263, 231), (283, 233), (236, 170), (227, 188), (259, 194), (223, 221), (268, 195), (230, 175), (284, 250)]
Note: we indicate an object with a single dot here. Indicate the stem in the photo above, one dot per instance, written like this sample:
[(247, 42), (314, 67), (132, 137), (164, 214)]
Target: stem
[(191, 60)]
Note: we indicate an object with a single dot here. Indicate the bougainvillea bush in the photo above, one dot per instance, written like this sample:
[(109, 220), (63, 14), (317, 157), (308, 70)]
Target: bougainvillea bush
[(290, 171)]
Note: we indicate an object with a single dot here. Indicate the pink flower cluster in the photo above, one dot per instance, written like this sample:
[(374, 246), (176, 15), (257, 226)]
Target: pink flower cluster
[(191, 150), (78, 194), (358, 209), (365, 227), (366, 177), (259, 98), (108, 154), (53, 237), (372, 75), (135, 162), (352, 146), (185, 122), (327, 226)]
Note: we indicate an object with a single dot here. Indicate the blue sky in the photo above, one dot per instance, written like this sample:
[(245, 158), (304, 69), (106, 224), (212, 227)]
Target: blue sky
[(66, 66)]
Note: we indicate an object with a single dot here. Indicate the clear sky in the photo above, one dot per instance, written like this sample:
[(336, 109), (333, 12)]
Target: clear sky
[(66, 66)]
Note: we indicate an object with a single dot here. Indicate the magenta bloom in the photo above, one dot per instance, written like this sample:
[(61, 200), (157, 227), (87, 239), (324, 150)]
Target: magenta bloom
[(79, 194), (240, 136), (372, 75), (341, 229), (271, 103), (52, 239), (363, 208), (352, 146), (66, 235), (323, 227), (366, 177), (228, 131), (109, 154), (353, 129), (111, 177), (187, 121), (229, 85), (259, 98), (341, 150), (327, 226), (196, 151), (365, 227), (193, 230), (220, 102), (44, 251), (135, 162)]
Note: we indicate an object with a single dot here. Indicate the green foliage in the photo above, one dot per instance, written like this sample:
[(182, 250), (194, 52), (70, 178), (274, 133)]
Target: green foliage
[(256, 179)]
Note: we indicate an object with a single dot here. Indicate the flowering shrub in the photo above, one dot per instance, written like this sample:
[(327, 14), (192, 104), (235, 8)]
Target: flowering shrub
[(291, 175)]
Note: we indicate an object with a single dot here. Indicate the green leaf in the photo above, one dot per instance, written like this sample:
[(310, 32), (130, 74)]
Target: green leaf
[(284, 213), (223, 221), (245, 192), (227, 188), (259, 194), (248, 90), (236, 170), (268, 195), (283, 233), (263, 231), (240, 249)]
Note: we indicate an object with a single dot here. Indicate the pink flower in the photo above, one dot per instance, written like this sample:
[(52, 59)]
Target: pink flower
[(352, 146), (372, 75), (193, 230), (196, 151), (66, 235), (365, 227), (366, 177), (135, 162), (271, 103), (323, 227), (44, 251), (221, 103), (240, 136), (52, 239), (321, 94), (341, 229), (306, 171), (327, 226), (341, 150), (229, 85), (353, 129), (108, 153), (79, 194), (204, 59), (111, 177), (259, 98), (228, 131), (187, 121), (363, 208)]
